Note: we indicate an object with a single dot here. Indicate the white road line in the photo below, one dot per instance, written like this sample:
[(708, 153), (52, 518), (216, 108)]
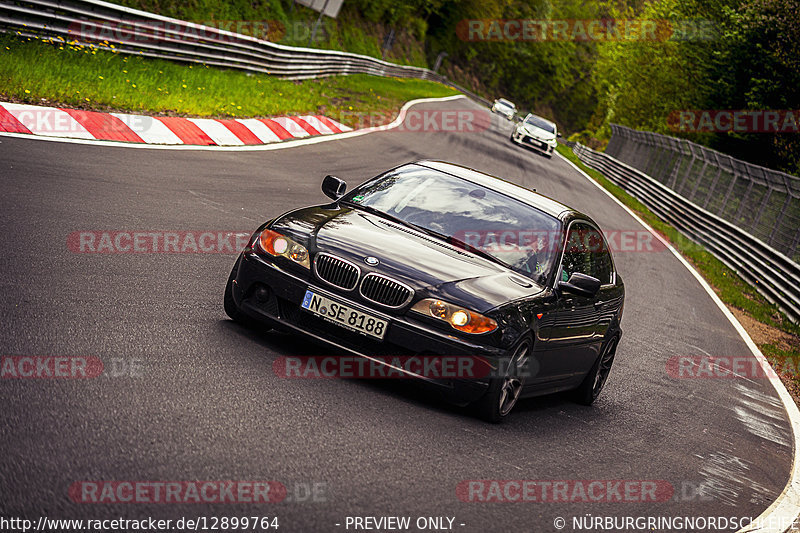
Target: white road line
[(779, 516)]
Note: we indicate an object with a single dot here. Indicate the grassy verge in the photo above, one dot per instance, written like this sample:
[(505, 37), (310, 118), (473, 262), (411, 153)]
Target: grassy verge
[(285, 22), (775, 335), (58, 73)]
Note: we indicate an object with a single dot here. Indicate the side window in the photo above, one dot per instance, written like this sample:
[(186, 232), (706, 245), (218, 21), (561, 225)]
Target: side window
[(576, 256), (586, 252)]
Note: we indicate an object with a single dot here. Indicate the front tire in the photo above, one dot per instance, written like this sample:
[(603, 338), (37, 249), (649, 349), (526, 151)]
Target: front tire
[(594, 381), (504, 392)]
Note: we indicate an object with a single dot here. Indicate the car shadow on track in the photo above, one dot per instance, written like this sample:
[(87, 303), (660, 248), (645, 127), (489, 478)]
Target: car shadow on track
[(409, 391)]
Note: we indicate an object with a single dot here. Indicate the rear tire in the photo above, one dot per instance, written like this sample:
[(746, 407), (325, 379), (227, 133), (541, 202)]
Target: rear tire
[(504, 393), (595, 380)]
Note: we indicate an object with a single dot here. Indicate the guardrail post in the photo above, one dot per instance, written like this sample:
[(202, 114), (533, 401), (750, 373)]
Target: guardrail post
[(779, 220), (713, 187), (743, 201), (692, 159)]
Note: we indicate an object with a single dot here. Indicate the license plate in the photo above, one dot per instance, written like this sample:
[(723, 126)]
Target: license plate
[(344, 315)]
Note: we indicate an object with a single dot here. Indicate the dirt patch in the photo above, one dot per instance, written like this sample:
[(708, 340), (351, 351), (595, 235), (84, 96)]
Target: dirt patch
[(763, 334)]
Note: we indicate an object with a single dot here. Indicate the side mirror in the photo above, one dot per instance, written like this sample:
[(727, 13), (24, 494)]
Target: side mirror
[(333, 187), (580, 284)]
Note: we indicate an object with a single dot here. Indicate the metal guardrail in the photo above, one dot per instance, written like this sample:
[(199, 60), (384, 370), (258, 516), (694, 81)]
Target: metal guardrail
[(764, 202), (771, 272), (131, 31)]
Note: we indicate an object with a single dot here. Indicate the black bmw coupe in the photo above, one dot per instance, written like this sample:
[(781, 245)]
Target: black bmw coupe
[(435, 260)]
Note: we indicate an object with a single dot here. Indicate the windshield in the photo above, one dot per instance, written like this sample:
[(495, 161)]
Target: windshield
[(467, 215), (505, 103), (541, 123)]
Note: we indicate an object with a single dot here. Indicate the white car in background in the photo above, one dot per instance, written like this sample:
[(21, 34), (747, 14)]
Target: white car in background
[(505, 108), (536, 132)]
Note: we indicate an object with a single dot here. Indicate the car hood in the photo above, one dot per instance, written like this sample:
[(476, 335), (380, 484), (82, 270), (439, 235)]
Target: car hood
[(539, 133), (425, 263)]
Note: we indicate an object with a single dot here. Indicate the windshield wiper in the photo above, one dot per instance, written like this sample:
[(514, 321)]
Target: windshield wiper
[(458, 243), (452, 241), (384, 214)]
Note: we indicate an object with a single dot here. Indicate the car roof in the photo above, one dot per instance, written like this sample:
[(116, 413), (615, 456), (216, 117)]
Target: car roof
[(504, 101), (542, 118), (532, 198)]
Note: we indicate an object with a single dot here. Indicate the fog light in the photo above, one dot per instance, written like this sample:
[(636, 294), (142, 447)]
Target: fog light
[(262, 293)]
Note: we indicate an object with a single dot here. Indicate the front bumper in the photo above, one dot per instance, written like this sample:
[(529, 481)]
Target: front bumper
[(531, 142), (403, 337)]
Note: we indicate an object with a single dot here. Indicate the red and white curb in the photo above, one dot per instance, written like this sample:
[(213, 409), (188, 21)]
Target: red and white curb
[(92, 125)]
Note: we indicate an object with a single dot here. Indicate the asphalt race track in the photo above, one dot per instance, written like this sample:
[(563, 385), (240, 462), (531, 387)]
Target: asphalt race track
[(203, 403)]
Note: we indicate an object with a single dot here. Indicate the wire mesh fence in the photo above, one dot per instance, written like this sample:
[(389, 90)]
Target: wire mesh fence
[(763, 202)]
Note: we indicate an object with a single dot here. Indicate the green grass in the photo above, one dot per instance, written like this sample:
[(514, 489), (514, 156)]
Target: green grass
[(731, 288), (54, 72), (291, 24)]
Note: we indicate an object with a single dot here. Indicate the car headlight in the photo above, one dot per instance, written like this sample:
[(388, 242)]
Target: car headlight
[(458, 317), (275, 244)]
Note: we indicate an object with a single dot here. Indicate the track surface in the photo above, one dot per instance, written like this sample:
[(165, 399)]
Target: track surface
[(209, 407)]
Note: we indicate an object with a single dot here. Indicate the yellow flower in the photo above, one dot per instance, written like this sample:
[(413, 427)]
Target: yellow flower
[(134, 85), (101, 77), (86, 99), (238, 107), (125, 71), (184, 85), (27, 91)]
